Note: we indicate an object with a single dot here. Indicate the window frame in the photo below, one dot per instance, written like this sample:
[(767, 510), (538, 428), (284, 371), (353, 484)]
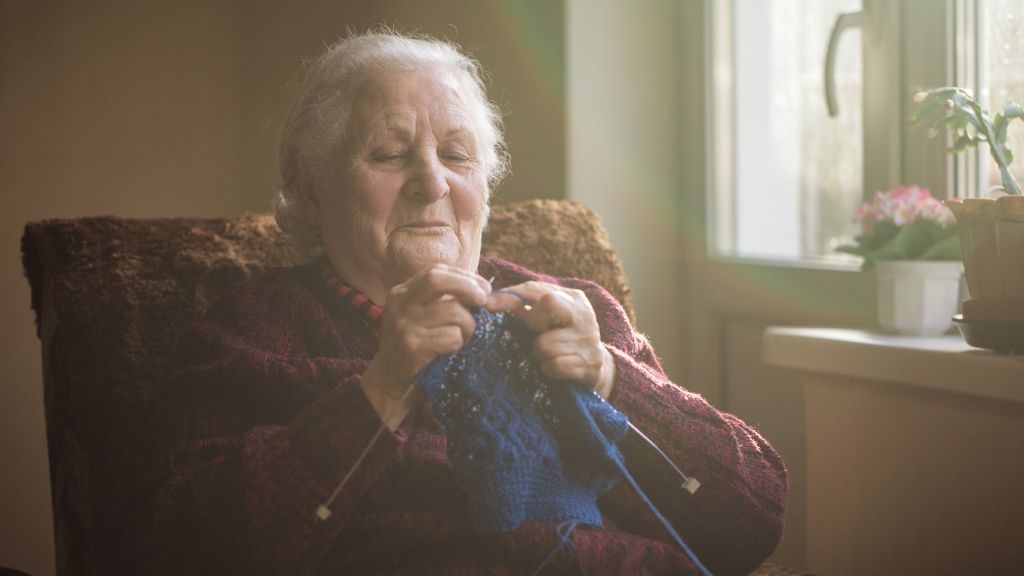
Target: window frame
[(907, 46)]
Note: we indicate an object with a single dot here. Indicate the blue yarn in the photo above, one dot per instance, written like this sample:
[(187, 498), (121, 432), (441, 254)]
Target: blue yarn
[(564, 532), (521, 448), (524, 450)]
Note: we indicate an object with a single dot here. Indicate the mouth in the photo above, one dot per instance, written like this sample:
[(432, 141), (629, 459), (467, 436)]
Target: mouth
[(426, 225)]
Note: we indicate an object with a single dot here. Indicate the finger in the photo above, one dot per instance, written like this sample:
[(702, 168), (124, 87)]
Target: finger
[(563, 342), (531, 291), (461, 319), (439, 313), (569, 367), (468, 288), (436, 281), (506, 300), (420, 345), (552, 311), (447, 339)]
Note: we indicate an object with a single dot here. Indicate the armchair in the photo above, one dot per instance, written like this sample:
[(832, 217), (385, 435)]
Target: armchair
[(112, 297)]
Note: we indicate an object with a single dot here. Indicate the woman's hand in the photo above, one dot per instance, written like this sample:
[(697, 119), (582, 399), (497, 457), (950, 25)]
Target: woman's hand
[(568, 344), (424, 317)]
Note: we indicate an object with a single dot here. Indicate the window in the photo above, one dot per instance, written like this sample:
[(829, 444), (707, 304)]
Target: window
[(999, 64), (787, 176)]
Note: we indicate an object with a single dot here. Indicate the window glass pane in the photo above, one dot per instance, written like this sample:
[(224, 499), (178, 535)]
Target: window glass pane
[(791, 176), (1001, 74)]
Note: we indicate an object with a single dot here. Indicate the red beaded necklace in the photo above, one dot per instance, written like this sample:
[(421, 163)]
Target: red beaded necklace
[(350, 295)]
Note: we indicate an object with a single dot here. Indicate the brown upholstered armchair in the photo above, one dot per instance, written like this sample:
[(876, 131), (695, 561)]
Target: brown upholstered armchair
[(112, 297)]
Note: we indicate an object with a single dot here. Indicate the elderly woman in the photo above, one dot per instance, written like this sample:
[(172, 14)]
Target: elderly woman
[(301, 384)]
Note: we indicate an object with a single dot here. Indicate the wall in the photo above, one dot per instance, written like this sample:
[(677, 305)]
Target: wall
[(173, 109), (624, 160)]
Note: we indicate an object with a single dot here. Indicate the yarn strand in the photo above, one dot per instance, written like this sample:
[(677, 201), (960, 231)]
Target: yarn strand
[(564, 531)]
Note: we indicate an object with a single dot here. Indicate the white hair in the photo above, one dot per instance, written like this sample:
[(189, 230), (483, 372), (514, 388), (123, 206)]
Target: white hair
[(319, 119)]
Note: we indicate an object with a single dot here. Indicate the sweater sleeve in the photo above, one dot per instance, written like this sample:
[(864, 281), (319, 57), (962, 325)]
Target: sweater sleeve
[(240, 449), (734, 521)]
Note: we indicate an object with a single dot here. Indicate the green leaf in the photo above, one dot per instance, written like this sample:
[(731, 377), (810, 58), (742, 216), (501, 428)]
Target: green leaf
[(924, 109), (999, 128), (940, 95), (985, 123), (853, 249), (964, 103), (882, 234), (955, 122), (1001, 154), (1010, 185), (970, 116), (946, 249), (962, 143), (911, 241), (933, 99)]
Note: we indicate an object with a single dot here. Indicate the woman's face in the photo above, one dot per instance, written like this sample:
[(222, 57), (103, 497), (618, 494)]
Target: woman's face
[(409, 189)]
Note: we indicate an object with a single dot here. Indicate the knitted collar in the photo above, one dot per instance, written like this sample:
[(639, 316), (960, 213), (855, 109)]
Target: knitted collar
[(350, 296)]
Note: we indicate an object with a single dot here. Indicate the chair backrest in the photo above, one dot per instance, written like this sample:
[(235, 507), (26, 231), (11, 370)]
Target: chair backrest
[(112, 297)]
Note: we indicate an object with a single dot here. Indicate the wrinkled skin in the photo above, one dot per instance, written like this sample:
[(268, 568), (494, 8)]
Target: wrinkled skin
[(410, 192)]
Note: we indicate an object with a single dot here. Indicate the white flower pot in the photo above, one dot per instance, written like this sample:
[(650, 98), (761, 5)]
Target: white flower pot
[(918, 297)]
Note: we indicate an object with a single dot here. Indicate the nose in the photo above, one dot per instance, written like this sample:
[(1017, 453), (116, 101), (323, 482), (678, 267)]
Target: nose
[(428, 181)]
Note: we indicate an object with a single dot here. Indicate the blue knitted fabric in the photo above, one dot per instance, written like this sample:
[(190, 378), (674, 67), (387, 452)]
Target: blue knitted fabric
[(523, 449)]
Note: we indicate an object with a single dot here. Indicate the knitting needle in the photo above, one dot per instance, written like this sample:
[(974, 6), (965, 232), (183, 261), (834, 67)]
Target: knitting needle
[(323, 512), (690, 484)]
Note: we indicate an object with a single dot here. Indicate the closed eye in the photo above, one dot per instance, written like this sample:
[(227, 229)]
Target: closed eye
[(389, 157), (455, 155), (455, 158)]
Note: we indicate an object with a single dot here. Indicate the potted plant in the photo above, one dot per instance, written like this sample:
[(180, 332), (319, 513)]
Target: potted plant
[(910, 239), (991, 228)]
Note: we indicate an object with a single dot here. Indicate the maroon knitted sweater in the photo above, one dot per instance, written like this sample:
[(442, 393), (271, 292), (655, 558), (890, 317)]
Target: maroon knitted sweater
[(267, 415)]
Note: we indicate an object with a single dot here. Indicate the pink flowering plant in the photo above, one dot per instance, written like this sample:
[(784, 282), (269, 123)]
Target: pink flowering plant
[(905, 223)]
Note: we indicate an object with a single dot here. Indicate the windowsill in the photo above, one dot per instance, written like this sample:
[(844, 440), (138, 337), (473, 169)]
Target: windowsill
[(942, 363), (833, 265)]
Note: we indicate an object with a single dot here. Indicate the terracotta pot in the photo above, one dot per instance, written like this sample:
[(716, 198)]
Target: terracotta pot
[(992, 242)]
